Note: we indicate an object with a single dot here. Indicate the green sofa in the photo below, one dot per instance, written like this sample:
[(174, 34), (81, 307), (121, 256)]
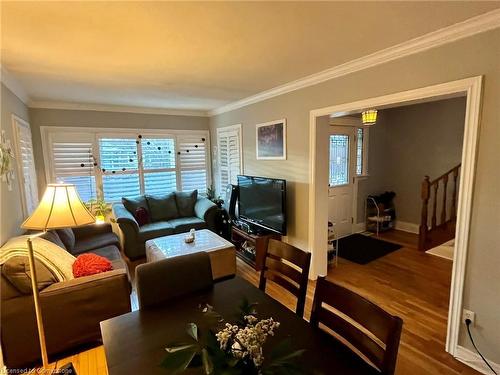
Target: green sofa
[(172, 213)]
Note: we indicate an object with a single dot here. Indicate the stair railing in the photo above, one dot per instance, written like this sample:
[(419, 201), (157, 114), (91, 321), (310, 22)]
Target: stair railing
[(430, 189)]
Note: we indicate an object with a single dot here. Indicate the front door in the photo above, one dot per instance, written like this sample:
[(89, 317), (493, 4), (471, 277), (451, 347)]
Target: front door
[(341, 179)]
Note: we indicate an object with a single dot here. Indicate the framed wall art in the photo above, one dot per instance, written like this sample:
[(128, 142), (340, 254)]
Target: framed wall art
[(271, 140)]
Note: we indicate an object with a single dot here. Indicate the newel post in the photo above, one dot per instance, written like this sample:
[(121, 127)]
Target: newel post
[(425, 194)]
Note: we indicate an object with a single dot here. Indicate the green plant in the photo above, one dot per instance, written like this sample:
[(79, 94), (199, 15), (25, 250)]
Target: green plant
[(98, 207), (211, 192), (232, 349)]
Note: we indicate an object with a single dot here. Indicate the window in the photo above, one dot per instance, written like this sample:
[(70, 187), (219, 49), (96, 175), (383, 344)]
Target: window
[(192, 160), (158, 159), (361, 151), (119, 167), (229, 143), (72, 162), (339, 160), (26, 165), (120, 164)]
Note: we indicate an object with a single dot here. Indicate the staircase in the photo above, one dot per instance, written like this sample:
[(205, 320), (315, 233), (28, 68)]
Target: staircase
[(441, 195)]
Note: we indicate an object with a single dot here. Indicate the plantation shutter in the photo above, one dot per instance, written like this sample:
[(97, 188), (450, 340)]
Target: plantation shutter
[(158, 162), (26, 165), (73, 163), (119, 168), (229, 157), (192, 153)]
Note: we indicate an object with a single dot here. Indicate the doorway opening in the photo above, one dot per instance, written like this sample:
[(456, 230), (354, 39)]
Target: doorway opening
[(319, 146)]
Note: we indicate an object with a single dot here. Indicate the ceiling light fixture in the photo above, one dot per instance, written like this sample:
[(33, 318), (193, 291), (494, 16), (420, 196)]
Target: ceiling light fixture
[(369, 117)]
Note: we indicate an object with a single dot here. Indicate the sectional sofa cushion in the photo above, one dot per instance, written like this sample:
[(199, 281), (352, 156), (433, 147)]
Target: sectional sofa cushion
[(153, 230), (57, 259), (185, 202), (133, 203), (97, 241), (17, 271), (184, 224), (162, 207), (53, 237), (67, 237)]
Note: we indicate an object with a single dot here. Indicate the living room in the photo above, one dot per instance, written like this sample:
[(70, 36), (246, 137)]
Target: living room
[(126, 119)]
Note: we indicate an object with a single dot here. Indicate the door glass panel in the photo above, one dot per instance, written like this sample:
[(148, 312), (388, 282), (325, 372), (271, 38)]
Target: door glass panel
[(339, 159)]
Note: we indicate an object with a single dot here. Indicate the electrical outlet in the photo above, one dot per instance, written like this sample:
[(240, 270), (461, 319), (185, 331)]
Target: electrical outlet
[(467, 314)]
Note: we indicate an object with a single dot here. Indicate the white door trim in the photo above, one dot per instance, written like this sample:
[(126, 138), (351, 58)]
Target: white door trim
[(471, 87)]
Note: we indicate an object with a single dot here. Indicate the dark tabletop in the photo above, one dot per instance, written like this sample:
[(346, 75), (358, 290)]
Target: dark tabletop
[(135, 342)]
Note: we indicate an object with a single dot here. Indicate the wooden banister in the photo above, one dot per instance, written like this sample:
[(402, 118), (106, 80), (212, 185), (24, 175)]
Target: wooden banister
[(430, 190)]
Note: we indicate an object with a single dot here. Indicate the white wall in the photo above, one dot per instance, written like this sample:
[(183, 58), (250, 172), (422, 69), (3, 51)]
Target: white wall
[(11, 215)]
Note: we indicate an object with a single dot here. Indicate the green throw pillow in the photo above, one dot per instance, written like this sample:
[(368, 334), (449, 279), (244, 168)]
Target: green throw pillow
[(17, 271), (185, 202), (132, 204), (162, 207)]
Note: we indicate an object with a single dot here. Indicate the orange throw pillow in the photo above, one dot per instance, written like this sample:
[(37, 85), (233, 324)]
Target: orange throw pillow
[(90, 264)]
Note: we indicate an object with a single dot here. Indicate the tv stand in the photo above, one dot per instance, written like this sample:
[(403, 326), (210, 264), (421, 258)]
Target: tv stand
[(251, 247)]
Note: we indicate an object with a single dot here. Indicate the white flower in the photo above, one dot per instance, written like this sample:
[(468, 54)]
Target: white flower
[(247, 342)]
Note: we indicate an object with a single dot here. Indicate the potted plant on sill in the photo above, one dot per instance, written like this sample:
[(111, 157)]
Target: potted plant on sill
[(99, 208)]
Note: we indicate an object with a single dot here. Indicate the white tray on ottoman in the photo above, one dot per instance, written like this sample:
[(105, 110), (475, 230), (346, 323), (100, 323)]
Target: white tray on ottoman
[(221, 252)]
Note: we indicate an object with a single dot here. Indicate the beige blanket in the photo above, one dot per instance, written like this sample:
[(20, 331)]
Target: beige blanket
[(56, 259)]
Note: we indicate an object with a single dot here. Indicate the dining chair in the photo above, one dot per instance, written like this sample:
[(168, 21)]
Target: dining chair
[(169, 278), (371, 331), (292, 276)]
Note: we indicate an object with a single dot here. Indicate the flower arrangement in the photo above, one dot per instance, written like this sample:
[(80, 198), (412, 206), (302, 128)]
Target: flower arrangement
[(233, 349), (245, 343)]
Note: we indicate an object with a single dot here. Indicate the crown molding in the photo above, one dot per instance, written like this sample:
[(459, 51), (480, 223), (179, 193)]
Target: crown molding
[(475, 25), (114, 108), (13, 85)]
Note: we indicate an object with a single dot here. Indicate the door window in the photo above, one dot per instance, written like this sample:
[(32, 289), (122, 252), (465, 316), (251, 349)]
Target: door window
[(339, 160)]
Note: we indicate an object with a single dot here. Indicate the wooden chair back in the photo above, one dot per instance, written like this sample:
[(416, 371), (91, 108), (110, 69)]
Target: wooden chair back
[(292, 279), (167, 279), (372, 331)]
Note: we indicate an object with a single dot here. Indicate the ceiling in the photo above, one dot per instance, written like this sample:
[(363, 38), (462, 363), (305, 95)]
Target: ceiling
[(198, 56)]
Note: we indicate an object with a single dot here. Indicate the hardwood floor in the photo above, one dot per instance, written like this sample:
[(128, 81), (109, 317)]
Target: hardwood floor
[(408, 283)]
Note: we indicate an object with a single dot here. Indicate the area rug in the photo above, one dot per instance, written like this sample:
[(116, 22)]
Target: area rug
[(361, 249)]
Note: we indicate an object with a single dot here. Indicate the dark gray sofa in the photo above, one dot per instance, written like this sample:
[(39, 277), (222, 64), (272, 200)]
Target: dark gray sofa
[(72, 309), (173, 213)]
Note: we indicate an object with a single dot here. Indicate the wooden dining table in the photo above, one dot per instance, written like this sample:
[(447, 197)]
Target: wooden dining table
[(135, 342)]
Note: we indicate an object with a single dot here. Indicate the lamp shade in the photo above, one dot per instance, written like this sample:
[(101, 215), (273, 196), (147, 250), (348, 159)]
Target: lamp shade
[(60, 207), (369, 117)]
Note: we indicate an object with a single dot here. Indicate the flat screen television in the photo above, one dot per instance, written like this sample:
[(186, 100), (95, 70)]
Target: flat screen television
[(262, 202)]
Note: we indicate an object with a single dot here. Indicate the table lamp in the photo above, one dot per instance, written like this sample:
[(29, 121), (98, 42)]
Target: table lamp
[(60, 207)]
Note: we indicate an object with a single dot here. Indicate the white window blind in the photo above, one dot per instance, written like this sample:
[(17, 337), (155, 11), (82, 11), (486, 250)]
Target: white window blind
[(229, 157), (73, 163), (120, 164), (193, 165), (119, 167), (26, 166), (158, 160)]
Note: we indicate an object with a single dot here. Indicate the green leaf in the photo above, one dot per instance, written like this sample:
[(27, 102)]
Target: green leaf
[(178, 358), (192, 330), (208, 366), (282, 360)]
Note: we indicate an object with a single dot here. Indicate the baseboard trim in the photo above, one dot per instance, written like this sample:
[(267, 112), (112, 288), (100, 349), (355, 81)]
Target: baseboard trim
[(407, 227), (473, 360), (358, 227)]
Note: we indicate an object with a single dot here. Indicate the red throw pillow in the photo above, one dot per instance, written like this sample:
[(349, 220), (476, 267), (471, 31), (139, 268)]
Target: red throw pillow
[(142, 216), (90, 264)]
